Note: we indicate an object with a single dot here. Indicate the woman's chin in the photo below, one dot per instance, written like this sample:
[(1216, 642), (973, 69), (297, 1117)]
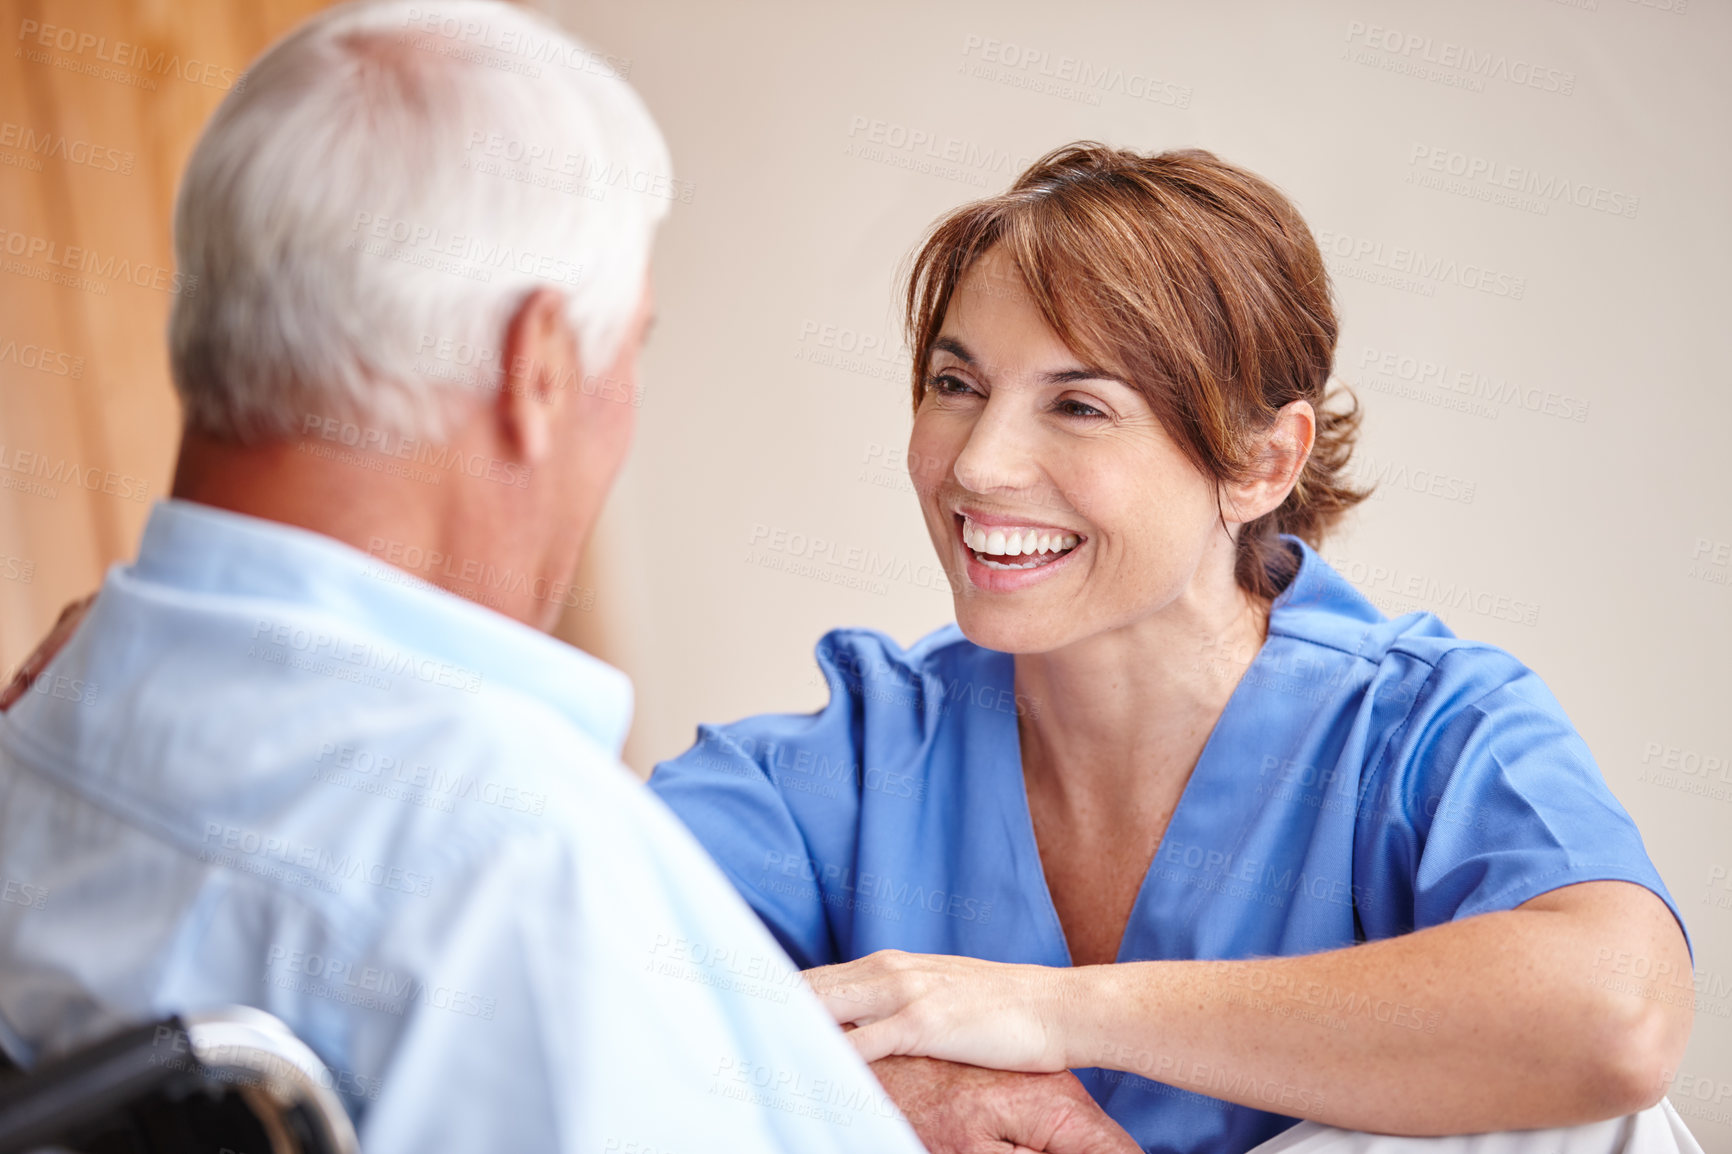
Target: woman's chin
[(1004, 631)]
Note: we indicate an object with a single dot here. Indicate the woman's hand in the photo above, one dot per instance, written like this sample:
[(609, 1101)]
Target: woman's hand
[(992, 1014)]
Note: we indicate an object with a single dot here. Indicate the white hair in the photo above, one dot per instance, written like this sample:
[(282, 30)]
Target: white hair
[(377, 196)]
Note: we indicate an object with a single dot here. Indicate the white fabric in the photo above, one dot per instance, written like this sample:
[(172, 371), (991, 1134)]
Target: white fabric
[(1656, 1130)]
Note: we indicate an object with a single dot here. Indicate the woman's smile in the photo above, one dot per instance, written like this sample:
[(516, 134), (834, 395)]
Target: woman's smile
[(1004, 554)]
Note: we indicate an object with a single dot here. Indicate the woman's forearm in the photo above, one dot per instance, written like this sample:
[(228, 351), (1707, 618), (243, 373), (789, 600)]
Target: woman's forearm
[(1501, 1021)]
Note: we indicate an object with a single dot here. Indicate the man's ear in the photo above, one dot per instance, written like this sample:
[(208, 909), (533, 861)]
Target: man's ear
[(1283, 449), (540, 360)]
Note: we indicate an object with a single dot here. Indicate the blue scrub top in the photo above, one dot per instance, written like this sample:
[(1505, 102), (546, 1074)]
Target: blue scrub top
[(1367, 778)]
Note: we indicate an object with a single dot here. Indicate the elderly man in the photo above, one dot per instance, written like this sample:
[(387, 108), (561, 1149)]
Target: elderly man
[(321, 759)]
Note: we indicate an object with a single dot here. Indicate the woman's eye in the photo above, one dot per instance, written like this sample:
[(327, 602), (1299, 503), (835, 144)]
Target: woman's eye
[(1078, 409), (945, 383)]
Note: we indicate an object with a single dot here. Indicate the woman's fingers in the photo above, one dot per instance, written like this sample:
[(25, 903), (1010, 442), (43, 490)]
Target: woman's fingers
[(854, 1002), (933, 1005), (860, 991), (877, 996), (880, 1039), (861, 1003)]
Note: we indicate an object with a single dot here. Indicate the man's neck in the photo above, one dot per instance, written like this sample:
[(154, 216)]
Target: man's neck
[(296, 483), (396, 515)]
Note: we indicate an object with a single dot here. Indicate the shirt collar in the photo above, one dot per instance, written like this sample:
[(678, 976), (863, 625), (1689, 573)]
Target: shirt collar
[(202, 549), (1321, 605)]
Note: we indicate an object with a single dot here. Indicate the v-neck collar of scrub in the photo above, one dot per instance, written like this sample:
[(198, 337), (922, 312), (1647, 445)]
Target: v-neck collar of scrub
[(1185, 812)]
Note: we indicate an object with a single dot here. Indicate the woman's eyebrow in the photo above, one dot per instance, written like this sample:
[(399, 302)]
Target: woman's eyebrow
[(1072, 376), (1057, 377), (955, 348)]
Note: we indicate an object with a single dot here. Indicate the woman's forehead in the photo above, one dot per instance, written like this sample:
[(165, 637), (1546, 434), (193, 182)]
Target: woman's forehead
[(994, 323), (994, 273)]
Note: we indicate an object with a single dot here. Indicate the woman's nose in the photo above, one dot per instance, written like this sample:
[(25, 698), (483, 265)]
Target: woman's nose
[(997, 456)]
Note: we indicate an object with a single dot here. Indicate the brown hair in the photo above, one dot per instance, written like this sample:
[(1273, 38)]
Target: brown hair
[(1196, 281)]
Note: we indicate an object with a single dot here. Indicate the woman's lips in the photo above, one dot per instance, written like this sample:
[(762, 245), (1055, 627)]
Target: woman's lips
[(1002, 556)]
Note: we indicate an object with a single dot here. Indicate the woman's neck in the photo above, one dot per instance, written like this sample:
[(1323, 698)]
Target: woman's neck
[(1126, 710)]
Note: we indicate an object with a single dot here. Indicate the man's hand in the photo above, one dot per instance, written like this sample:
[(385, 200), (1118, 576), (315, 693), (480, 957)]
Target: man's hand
[(959, 1109), (51, 644)]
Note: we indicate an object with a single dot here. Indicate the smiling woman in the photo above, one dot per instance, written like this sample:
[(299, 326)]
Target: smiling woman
[(1188, 281), (1241, 850)]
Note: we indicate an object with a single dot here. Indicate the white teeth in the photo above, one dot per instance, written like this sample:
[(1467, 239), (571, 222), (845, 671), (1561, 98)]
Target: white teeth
[(1016, 542)]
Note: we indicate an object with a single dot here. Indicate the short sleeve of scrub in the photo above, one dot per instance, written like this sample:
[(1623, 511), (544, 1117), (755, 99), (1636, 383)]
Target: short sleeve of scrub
[(776, 798), (743, 820), (1486, 797)]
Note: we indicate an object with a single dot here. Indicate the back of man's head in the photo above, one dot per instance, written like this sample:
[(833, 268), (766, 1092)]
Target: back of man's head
[(384, 187)]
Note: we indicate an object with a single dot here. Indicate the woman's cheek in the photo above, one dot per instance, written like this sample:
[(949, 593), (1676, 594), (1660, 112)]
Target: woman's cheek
[(926, 473), (928, 461)]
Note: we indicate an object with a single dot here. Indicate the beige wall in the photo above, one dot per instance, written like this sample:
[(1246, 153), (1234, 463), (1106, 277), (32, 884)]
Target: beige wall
[(1604, 538)]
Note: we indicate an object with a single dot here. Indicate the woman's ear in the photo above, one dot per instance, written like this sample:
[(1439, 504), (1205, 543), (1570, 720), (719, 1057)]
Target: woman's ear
[(1276, 462)]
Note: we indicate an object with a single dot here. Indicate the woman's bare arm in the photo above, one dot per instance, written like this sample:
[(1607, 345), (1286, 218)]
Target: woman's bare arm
[(1528, 1018)]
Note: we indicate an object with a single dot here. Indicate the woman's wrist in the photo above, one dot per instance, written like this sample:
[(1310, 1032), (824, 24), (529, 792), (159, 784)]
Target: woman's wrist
[(1094, 1003)]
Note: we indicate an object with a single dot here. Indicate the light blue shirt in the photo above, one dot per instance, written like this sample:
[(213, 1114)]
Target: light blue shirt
[(272, 770), (1367, 778)]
